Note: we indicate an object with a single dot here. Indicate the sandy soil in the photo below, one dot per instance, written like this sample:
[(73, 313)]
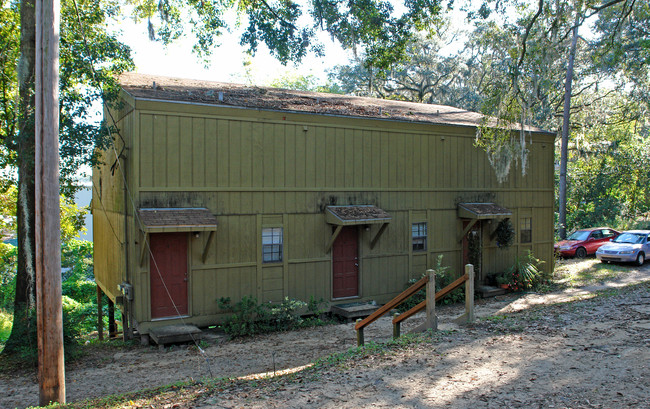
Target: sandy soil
[(524, 351)]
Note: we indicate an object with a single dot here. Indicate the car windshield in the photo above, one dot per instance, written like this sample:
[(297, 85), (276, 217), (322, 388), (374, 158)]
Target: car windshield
[(630, 238), (579, 235)]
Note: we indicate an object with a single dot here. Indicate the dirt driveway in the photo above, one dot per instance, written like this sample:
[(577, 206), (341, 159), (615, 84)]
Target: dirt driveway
[(524, 351)]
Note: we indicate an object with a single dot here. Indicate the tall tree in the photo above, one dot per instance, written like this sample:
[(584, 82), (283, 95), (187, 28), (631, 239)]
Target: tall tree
[(423, 75), (553, 25), (89, 59), (566, 117)]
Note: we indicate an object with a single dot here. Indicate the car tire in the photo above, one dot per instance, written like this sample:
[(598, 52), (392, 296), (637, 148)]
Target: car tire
[(640, 259), (581, 252)]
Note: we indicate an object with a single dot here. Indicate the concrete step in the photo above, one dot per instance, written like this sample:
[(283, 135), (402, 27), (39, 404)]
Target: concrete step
[(172, 334), (487, 291), (355, 310)]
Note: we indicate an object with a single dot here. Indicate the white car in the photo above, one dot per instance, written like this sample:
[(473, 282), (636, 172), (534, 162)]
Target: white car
[(630, 246)]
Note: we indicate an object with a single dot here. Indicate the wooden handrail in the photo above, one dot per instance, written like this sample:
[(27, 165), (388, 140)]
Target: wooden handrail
[(408, 314), (392, 303), (451, 287)]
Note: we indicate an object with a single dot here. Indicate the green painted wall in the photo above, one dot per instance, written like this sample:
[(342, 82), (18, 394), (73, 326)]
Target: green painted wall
[(254, 169)]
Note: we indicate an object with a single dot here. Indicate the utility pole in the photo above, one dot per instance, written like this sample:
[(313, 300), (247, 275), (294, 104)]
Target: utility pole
[(49, 318)]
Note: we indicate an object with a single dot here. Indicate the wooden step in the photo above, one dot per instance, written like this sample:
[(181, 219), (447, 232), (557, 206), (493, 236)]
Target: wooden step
[(354, 310), (488, 291), (175, 333)]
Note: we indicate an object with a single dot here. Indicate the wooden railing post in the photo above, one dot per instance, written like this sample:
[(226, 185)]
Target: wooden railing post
[(396, 327), (112, 327), (469, 293), (359, 335), (432, 319)]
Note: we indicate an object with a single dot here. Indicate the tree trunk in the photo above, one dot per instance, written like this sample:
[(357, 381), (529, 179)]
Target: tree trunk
[(22, 333), (565, 131)]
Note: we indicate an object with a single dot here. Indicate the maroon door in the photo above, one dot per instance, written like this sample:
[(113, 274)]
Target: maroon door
[(168, 274), (345, 260)]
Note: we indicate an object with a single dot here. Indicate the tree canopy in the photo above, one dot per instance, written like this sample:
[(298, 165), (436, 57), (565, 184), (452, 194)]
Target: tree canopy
[(289, 29)]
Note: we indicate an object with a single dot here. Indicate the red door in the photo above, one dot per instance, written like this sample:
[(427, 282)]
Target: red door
[(345, 260), (475, 233), (168, 274)]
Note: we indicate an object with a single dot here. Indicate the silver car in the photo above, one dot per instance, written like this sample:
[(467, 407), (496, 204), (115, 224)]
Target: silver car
[(630, 246)]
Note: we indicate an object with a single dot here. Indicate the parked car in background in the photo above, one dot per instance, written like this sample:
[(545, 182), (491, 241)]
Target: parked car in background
[(585, 241), (630, 246)]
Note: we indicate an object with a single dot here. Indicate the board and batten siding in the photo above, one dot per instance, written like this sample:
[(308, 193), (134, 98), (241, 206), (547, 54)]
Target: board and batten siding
[(255, 168), (108, 210)]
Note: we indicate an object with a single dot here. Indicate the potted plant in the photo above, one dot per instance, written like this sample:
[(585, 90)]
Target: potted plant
[(503, 281)]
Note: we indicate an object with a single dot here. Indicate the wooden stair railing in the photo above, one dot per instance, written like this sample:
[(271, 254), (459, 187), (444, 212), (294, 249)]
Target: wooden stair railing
[(431, 322), (405, 295), (439, 295)]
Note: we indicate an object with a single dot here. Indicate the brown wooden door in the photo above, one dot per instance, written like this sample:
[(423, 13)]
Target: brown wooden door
[(474, 232), (345, 260), (168, 274)]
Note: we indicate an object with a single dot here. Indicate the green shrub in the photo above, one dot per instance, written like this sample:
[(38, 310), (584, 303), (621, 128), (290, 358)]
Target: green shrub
[(443, 279), (7, 275), (74, 315), (5, 326), (525, 273), (78, 285), (250, 318)]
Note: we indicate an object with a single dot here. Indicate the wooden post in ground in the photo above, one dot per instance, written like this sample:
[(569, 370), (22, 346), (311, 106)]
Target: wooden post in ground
[(100, 315), (112, 328), (49, 316), (396, 327), (360, 340), (432, 319), (469, 293)]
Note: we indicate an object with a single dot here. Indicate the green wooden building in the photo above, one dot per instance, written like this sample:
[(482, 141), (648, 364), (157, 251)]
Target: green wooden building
[(220, 190)]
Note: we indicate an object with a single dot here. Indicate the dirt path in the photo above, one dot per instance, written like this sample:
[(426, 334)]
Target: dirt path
[(592, 353)]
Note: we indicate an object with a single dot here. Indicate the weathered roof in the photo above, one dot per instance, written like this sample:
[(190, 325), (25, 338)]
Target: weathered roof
[(482, 211), (351, 215), (143, 86), (177, 219)]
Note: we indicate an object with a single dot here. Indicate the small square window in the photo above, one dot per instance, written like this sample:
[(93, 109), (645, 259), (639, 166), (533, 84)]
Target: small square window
[(272, 245), (419, 236), (526, 230)]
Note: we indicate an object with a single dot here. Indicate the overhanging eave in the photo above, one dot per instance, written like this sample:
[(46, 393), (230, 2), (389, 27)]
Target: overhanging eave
[(482, 211)]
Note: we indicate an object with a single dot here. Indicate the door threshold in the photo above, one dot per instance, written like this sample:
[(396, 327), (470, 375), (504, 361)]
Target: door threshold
[(170, 318), (352, 297)]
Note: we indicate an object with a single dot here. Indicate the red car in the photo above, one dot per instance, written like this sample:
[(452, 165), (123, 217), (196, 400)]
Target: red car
[(584, 242)]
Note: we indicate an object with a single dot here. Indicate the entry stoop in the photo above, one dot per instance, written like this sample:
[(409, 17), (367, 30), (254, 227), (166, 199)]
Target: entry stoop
[(354, 310), (487, 291), (175, 333)]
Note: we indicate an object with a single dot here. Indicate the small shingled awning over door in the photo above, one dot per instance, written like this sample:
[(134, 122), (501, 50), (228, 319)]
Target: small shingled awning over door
[(351, 215), (177, 219), (480, 211)]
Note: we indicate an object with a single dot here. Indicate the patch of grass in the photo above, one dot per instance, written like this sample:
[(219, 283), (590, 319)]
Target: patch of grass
[(579, 273)]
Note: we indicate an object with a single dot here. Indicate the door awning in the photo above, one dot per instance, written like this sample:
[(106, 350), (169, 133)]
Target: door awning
[(341, 216), (354, 215), (164, 220), (482, 211)]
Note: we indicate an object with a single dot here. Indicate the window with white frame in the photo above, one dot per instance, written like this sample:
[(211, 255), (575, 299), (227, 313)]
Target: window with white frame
[(272, 244), (419, 236), (526, 230)]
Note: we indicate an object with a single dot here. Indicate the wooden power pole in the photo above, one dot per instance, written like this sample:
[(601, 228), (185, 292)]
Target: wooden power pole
[(51, 370)]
